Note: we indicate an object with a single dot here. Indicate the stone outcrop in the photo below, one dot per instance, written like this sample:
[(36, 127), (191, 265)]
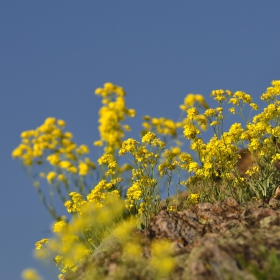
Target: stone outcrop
[(223, 240)]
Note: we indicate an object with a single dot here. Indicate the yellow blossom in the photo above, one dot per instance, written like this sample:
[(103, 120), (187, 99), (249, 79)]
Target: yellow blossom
[(59, 226), (65, 164), (190, 131), (73, 169), (98, 143), (41, 243), (51, 176), (68, 135), (148, 137), (83, 149), (30, 274), (61, 177), (61, 123), (83, 169)]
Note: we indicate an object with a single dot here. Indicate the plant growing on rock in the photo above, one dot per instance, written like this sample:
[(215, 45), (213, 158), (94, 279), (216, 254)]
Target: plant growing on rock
[(106, 199)]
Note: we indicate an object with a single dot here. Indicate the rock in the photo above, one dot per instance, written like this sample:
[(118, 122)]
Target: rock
[(223, 240)]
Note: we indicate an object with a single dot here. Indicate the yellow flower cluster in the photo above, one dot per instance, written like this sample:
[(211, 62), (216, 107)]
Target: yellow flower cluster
[(191, 103), (108, 160), (194, 198), (192, 113), (95, 213), (162, 260), (167, 127), (59, 226), (192, 100), (51, 146), (171, 161), (142, 193), (51, 176), (271, 112), (159, 126), (158, 266), (191, 131), (253, 170), (140, 152), (112, 114), (75, 241), (74, 205), (101, 192), (49, 137), (30, 274), (239, 99), (272, 92), (40, 244), (133, 193), (99, 195), (221, 95), (219, 156)]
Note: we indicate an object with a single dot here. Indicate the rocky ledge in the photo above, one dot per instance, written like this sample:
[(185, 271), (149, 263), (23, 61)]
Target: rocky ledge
[(223, 240)]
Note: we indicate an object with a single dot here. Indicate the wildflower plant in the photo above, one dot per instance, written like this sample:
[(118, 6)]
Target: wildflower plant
[(101, 205), (143, 195), (65, 163)]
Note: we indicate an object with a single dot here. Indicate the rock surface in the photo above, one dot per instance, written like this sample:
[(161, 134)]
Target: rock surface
[(223, 240)]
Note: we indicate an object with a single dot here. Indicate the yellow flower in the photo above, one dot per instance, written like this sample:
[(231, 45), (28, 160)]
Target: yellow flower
[(83, 169), (65, 164), (109, 86), (59, 226), (189, 100), (252, 171), (30, 274), (254, 106), (210, 112), (50, 177), (17, 152), (56, 133), (132, 113), (61, 123), (73, 169), (193, 166), (148, 137), (190, 131), (83, 149), (98, 143), (161, 258), (50, 121), (105, 159), (194, 197), (214, 123), (53, 159), (171, 208), (90, 163), (41, 243), (192, 112), (27, 134), (68, 135), (61, 177), (220, 95), (133, 249), (134, 192), (200, 100), (146, 118)]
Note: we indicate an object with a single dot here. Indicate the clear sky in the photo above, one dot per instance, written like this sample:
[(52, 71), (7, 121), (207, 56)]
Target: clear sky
[(54, 54)]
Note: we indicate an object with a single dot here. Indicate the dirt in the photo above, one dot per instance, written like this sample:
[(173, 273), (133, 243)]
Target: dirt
[(223, 240)]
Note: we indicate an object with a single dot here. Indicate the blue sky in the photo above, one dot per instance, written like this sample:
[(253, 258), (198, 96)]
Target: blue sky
[(54, 54)]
